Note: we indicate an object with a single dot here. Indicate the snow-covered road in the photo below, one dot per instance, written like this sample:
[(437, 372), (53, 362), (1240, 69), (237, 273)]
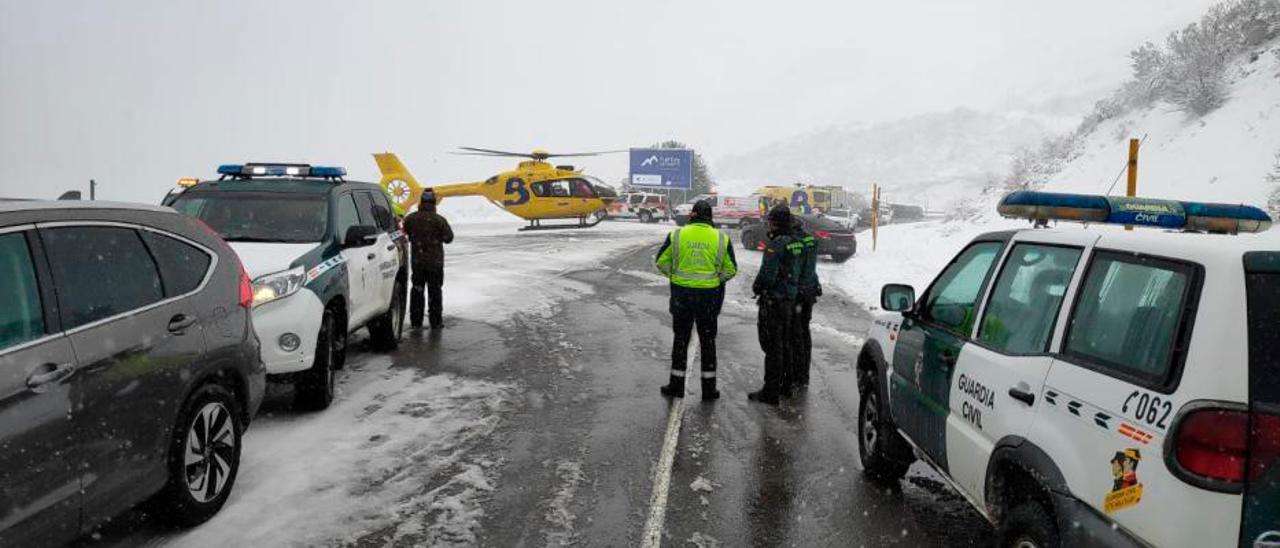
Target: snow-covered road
[(534, 419)]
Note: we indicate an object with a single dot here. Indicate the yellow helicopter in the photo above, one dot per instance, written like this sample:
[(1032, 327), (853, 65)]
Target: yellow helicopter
[(534, 191)]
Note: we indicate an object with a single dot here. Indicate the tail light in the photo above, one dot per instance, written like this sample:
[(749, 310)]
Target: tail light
[(1212, 444), (822, 234), (246, 289)]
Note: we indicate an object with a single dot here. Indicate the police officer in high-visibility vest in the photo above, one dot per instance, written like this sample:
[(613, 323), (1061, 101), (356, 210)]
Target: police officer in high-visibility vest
[(775, 288), (698, 259), (808, 290)]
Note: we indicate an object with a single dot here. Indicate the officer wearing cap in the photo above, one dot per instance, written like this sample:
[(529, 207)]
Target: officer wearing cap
[(775, 288), (428, 231), (808, 290), (698, 259)]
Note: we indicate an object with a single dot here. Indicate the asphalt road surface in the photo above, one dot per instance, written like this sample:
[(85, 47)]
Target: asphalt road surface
[(546, 428)]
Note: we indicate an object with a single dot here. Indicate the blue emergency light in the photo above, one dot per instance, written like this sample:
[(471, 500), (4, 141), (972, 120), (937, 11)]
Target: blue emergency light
[(281, 170), (1123, 210)]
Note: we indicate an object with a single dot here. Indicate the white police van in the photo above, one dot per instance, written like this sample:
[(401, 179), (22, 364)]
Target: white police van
[(1086, 387), (326, 257)]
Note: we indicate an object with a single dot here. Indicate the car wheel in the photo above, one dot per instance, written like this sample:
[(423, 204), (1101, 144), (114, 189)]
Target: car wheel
[(1029, 525), (314, 387), (750, 240), (204, 457), (387, 329), (841, 257), (646, 217), (873, 439)]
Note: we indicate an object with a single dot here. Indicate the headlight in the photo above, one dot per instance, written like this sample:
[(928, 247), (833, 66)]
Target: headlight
[(278, 285)]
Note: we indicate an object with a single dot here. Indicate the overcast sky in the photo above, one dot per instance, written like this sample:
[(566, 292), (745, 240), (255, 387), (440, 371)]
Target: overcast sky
[(139, 93)]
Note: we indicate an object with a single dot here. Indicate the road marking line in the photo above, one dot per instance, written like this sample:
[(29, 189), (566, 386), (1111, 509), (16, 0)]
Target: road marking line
[(662, 477)]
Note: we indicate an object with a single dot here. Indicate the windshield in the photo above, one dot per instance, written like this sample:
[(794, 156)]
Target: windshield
[(259, 216)]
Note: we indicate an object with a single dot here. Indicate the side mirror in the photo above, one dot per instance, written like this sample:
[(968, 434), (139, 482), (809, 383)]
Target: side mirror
[(360, 236), (898, 298)]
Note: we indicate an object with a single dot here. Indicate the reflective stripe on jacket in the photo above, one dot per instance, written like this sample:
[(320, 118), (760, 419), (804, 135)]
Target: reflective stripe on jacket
[(697, 256)]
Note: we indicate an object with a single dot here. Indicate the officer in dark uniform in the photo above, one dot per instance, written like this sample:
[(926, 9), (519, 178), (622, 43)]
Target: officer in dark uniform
[(698, 259), (775, 288), (428, 232), (808, 290)]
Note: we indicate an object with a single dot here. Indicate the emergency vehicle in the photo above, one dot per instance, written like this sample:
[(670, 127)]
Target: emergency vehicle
[(643, 206), (806, 199), (1092, 387), (326, 257), (737, 211)]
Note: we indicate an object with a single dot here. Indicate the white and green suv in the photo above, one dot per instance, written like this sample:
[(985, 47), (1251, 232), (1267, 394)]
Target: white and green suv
[(1092, 386), (326, 257)]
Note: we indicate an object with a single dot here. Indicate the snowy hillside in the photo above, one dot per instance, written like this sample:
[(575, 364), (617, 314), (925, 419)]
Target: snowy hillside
[(1224, 156), (950, 153), (1227, 155)]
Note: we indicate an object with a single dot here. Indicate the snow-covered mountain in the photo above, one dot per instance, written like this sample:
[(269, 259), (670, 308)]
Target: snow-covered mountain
[(948, 153)]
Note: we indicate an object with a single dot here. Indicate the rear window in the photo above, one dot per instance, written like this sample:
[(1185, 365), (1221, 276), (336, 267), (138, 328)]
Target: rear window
[(22, 316), (182, 265), (1128, 316), (259, 216)]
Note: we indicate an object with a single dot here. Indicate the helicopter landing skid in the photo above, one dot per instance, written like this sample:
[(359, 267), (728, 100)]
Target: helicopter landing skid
[(582, 223)]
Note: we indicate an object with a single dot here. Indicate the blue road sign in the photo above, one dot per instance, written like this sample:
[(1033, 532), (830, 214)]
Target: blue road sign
[(662, 168)]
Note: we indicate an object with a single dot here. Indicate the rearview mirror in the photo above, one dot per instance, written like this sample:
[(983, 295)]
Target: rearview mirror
[(898, 298), (360, 236)]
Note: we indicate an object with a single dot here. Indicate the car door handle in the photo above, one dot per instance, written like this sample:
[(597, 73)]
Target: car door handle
[(49, 373), (948, 359), (1022, 396), (370, 256), (391, 247), (180, 322)]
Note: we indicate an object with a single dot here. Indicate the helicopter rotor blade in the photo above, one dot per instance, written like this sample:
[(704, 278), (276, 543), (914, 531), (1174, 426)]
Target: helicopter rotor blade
[(495, 152), (575, 154), (488, 155)]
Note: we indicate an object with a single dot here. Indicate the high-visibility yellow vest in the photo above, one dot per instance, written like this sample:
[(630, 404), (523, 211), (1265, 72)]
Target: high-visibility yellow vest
[(698, 257)]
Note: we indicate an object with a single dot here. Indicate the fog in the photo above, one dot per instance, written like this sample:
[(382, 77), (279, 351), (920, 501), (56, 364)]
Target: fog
[(137, 94)]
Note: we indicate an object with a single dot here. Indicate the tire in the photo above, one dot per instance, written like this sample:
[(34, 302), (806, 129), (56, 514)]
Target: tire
[(1029, 525), (387, 329), (750, 240), (646, 217), (208, 434), (841, 257), (313, 389), (874, 436)]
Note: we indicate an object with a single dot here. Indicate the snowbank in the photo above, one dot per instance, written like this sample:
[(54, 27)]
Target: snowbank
[(397, 461)]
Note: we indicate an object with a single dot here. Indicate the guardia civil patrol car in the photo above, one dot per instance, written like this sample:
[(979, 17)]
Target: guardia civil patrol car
[(1092, 387), (326, 257)]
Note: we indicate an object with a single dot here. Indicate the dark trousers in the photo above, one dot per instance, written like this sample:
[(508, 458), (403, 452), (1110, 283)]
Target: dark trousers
[(774, 329), (692, 308), (801, 341), (432, 280)]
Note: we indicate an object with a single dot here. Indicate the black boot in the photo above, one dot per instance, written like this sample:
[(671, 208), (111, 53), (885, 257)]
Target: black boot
[(674, 388), (764, 396), (709, 392)]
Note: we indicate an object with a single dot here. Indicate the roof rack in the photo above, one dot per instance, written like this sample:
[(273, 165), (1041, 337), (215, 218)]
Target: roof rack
[(254, 170)]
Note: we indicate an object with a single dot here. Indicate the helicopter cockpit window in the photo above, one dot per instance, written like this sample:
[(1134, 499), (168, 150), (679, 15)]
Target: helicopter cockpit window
[(582, 189), (553, 189)]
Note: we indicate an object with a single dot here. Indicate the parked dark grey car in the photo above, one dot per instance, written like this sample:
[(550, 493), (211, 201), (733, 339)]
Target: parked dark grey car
[(128, 367)]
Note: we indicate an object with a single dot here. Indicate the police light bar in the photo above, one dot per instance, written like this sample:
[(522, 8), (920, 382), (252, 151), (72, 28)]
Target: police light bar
[(281, 170), (1122, 210)]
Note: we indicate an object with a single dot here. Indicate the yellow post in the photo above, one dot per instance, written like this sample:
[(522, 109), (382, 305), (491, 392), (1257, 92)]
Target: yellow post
[(875, 215), (1132, 189)]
